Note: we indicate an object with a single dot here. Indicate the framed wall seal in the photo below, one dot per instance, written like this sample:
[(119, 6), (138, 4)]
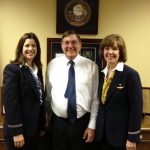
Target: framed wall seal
[(79, 15)]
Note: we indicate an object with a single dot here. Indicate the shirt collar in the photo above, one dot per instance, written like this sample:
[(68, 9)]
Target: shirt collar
[(118, 67), (74, 60)]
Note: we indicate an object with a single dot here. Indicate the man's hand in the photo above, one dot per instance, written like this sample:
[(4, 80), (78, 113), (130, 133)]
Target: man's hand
[(89, 135)]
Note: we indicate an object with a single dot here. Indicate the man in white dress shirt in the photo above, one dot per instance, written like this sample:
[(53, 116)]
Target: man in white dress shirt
[(67, 135)]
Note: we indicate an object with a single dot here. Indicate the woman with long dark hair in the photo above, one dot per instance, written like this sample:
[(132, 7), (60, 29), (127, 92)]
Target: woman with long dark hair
[(24, 95)]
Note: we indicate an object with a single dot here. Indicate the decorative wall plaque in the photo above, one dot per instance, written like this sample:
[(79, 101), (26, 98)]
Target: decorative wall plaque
[(78, 15)]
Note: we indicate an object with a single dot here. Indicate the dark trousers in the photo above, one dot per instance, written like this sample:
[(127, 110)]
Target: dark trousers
[(31, 143), (68, 136)]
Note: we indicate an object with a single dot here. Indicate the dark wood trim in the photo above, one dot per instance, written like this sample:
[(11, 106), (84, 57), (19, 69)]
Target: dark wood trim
[(145, 87)]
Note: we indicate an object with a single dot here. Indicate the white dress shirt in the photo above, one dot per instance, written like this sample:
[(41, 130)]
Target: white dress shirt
[(86, 74)]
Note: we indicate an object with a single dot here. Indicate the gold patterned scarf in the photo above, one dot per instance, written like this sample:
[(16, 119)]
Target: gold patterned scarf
[(106, 86)]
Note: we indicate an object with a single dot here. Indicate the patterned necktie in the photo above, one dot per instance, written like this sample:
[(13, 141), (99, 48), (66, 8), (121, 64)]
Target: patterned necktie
[(71, 94)]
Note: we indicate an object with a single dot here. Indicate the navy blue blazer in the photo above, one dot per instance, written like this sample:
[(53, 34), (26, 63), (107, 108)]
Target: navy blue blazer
[(120, 118), (23, 112)]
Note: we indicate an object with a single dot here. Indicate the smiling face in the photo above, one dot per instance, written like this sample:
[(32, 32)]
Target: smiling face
[(111, 55), (71, 46), (113, 50), (29, 50)]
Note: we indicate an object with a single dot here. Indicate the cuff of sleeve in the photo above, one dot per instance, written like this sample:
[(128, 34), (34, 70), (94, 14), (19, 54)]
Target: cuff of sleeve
[(134, 137), (16, 131), (92, 124)]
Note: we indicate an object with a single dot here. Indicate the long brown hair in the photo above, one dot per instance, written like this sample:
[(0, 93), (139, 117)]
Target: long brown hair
[(19, 59)]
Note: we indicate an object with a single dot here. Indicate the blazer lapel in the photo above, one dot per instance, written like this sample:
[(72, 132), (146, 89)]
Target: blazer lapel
[(100, 87), (29, 77)]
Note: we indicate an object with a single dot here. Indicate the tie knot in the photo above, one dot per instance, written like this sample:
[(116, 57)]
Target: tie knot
[(71, 62)]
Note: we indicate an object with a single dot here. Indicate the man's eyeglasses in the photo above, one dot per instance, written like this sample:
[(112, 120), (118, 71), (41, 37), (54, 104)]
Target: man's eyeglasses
[(70, 42)]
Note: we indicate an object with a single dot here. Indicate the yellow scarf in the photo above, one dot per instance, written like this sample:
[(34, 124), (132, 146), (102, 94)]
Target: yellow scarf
[(106, 86)]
